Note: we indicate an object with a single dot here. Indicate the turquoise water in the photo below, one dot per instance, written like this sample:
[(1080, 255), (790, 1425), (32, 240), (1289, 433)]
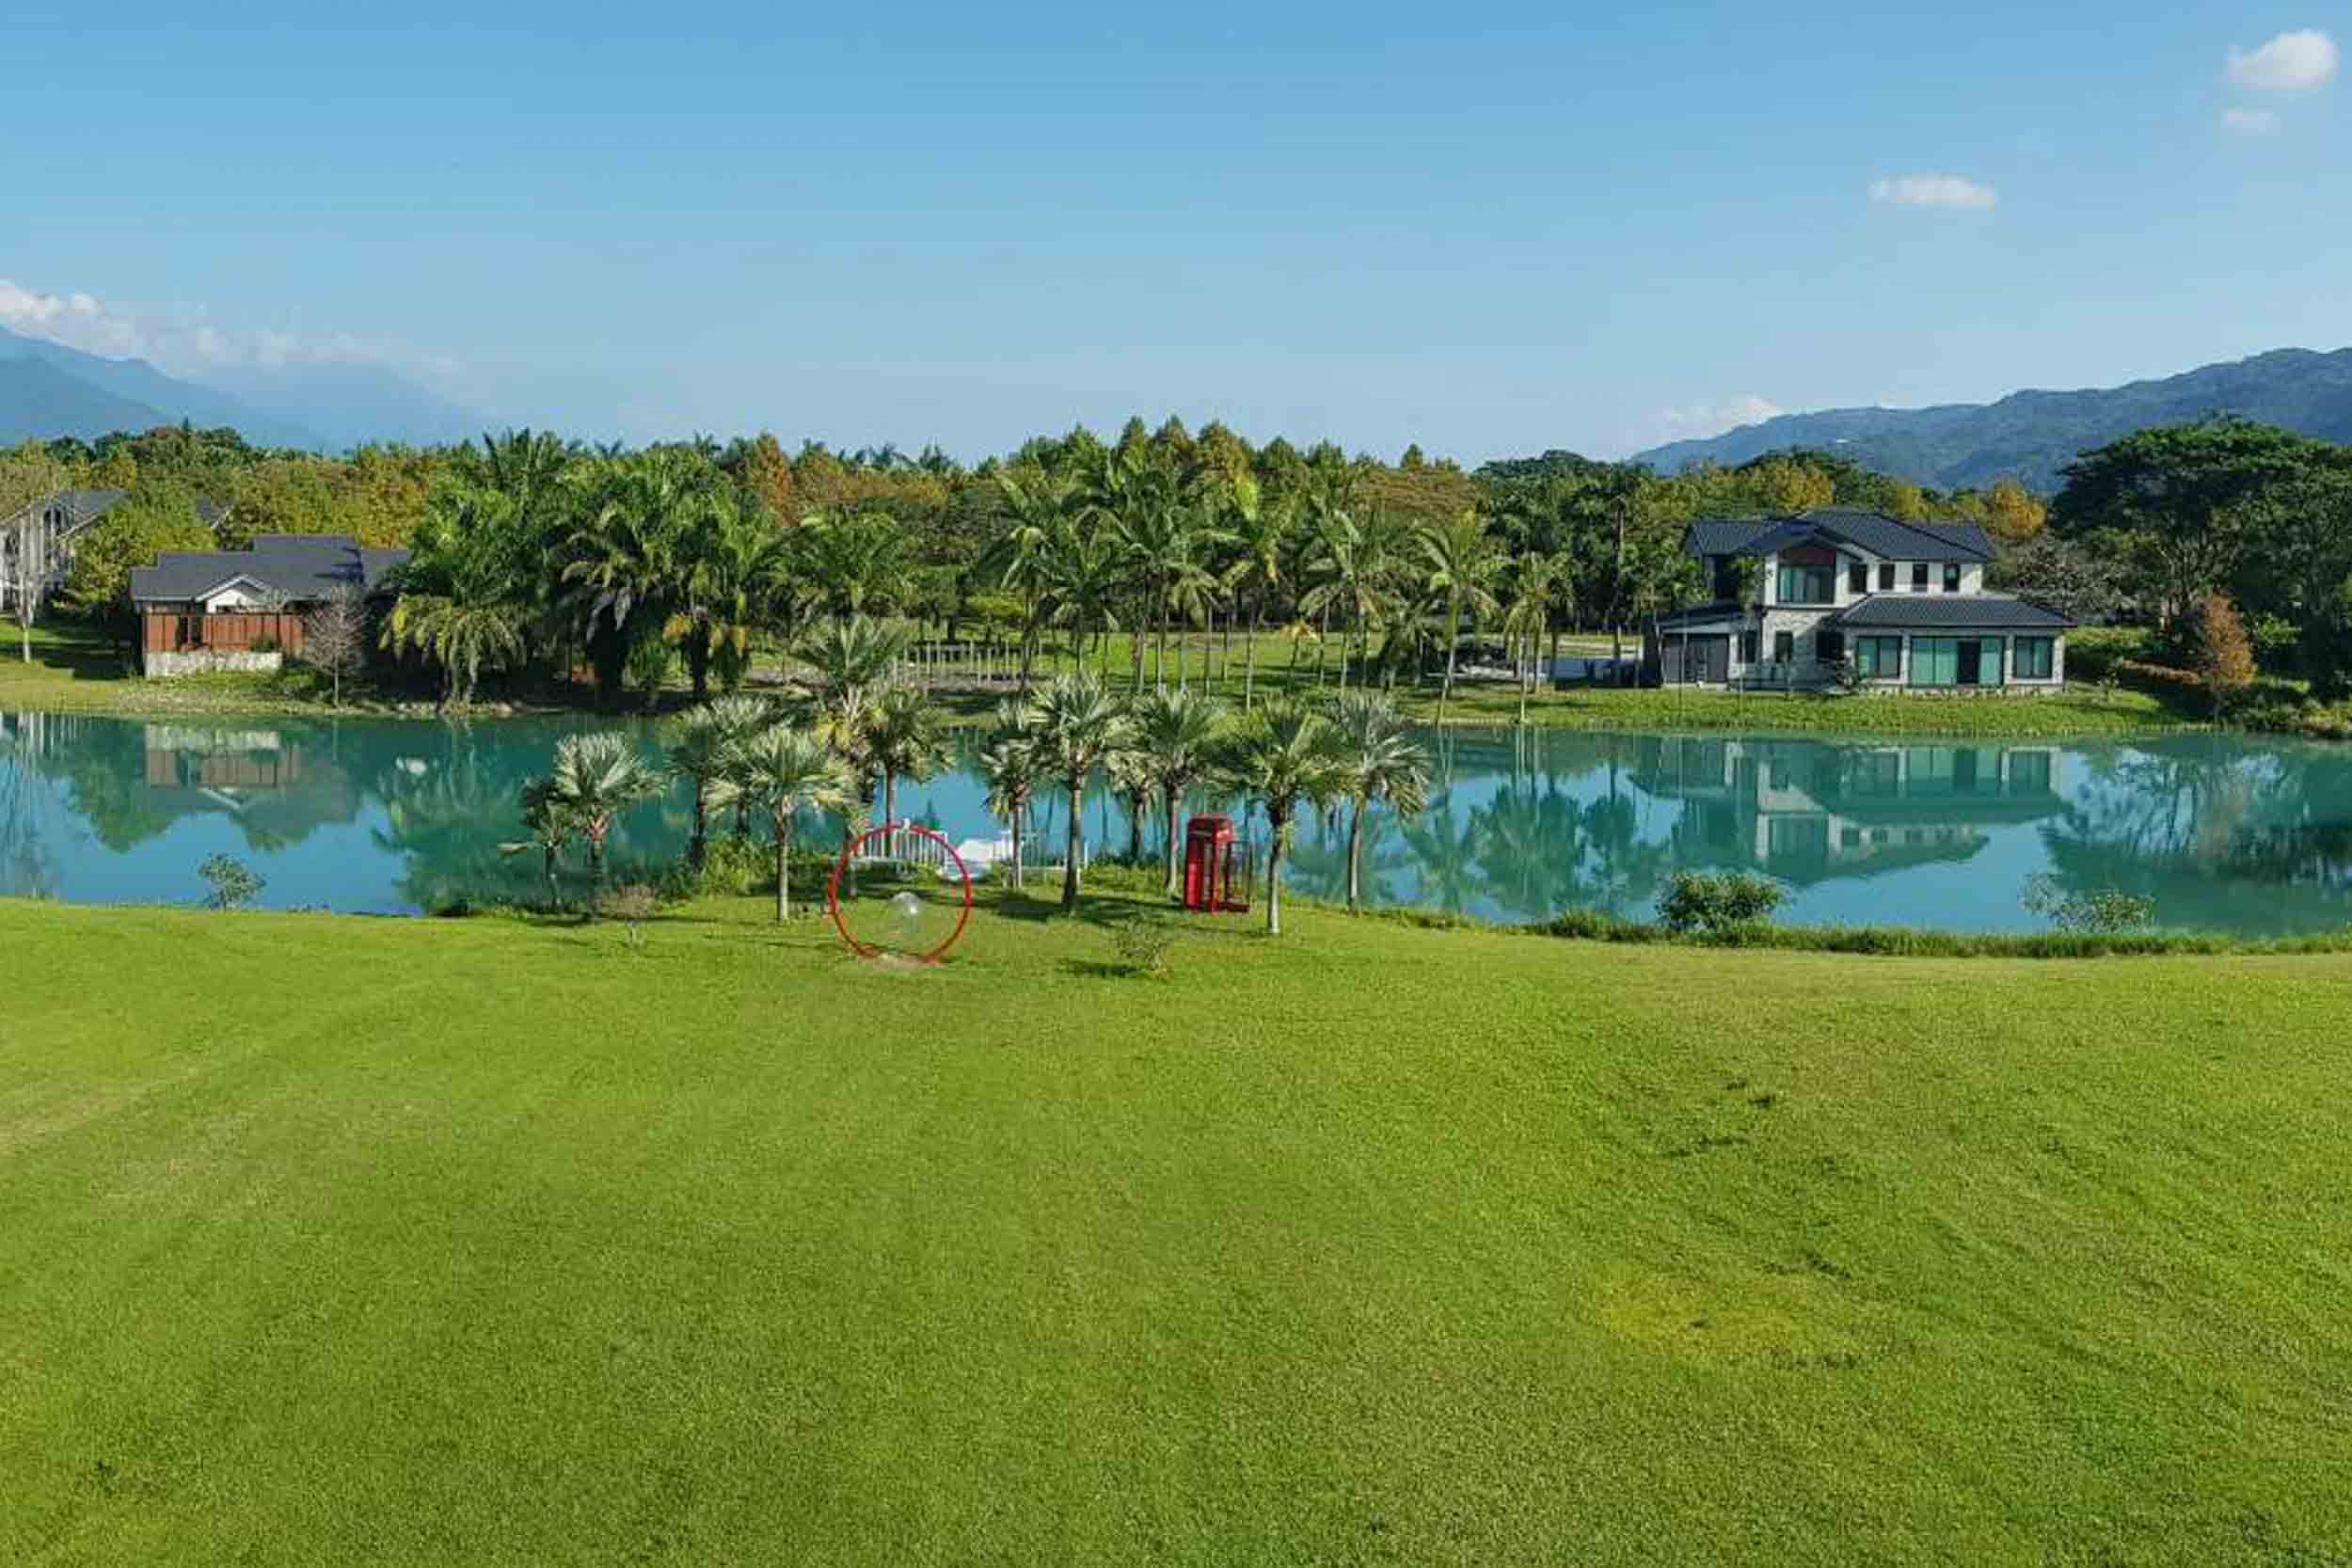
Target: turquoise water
[(2224, 833)]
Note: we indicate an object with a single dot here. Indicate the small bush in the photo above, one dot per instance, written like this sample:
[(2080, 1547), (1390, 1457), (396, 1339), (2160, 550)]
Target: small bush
[(265, 644), (234, 884), (1144, 946), (2093, 652), (633, 904), (1716, 903), (2104, 912)]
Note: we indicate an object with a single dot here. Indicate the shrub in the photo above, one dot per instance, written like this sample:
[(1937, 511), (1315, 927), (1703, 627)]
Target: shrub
[(265, 644), (2225, 654), (234, 884), (2104, 912), (1718, 902), (2093, 652), (634, 904), (1144, 945)]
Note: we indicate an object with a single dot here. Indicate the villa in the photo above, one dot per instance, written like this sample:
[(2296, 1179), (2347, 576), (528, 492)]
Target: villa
[(1840, 595), (242, 609)]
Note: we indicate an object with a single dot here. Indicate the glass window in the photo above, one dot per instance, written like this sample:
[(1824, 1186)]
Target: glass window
[(1886, 576), (1829, 646), (1808, 585), (1857, 578), (1784, 645), (1879, 657), (1951, 576), (1748, 649), (1918, 576), (1934, 660), (2032, 659), (2030, 772), (1989, 662)]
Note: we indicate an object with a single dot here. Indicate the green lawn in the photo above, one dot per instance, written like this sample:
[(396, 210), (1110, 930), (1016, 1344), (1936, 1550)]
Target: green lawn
[(408, 1242), (75, 672)]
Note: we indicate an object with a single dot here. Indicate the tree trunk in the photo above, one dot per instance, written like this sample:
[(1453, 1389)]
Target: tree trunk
[(595, 868), (1135, 828), (1020, 810), (1077, 829), (1274, 875), (1249, 667), (1356, 855), (1174, 799), (698, 661), (784, 861), (698, 847)]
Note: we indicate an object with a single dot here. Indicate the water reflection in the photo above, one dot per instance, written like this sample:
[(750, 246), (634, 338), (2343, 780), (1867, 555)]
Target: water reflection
[(2221, 832)]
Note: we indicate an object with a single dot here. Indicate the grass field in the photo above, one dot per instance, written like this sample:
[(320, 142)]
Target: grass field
[(330, 1240), (74, 672)]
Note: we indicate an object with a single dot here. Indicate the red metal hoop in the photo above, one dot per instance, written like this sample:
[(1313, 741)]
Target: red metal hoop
[(832, 889)]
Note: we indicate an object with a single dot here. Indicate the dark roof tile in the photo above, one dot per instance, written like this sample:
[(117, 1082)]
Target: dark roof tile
[(300, 566), (1949, 613)]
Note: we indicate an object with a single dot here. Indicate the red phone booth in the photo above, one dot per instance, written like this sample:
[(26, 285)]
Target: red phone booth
[(1216, 867)]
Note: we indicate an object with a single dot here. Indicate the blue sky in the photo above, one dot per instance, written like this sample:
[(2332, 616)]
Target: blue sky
[(1491, 228)]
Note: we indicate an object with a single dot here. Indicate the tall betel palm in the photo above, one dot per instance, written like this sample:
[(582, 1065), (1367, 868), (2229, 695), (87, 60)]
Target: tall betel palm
[(597, 778), (1384, 763), (1540, 584), (705, 754), (784, 768), (1459, 562), (906, 737), (1010, 766), (1285, 752), (1177, 732), (1077, 723)]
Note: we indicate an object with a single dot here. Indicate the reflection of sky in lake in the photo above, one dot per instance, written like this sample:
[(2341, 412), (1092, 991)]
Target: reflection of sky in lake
[(2223, 833)]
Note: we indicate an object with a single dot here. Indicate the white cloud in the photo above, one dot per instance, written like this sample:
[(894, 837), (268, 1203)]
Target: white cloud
[(2250, 122), (1712, 418), (182, 343), (1932, 190), (2292, 62)]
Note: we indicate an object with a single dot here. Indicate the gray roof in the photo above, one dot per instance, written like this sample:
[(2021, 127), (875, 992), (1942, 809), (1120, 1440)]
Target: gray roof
[(298, 565), (1886, 537), (1949, 611)]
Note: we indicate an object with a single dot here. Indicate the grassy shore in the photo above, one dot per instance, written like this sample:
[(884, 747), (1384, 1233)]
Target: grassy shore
[(74, 672), (332, 1240)]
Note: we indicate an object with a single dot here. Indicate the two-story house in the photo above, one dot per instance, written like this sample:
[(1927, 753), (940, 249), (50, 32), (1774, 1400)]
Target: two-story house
[(1808, 601)]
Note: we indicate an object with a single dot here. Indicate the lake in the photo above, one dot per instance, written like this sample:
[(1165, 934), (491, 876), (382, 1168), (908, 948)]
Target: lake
[(2223, 833)]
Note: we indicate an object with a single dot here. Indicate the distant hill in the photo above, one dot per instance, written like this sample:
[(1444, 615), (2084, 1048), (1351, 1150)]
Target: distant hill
[(48, 391), (39, 401), (147, 397), (2031, 436), (351, 404)]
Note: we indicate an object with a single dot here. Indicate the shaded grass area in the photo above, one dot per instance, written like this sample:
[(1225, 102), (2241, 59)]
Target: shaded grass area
[(502, 1241)]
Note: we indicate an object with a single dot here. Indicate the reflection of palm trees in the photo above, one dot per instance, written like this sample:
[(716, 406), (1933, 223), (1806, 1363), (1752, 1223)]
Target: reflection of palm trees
[(1444, 854), (1529, 852), (29, 866)]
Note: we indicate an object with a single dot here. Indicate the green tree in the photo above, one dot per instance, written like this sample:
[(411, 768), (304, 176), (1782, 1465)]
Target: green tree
[(1381, 762), (707, 753), (1010, 766), (1076, 724), (462, 596), (597, 778), (784, 768), (1177, 733), (907, 739), (1459, 564), (1285, 753), (2225, 655)]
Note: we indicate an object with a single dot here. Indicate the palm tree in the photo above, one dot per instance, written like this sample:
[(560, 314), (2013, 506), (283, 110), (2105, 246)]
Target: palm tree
[(461, 600), (1177, 733), (905, 738), (784, 768), (852, 658), (1012, 767), (1286, 752), (625, 568), (856, 560), (737, 565), (1459, 562), (1383, 763), (736, 719), (1026, 556), (597, 778), (704, 753), (1539, 584), (1130, 780), (1260, 536), (1077, 725), (551, 826)]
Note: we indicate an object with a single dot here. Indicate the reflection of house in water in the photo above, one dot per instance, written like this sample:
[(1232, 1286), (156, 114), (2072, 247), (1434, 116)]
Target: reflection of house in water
[(220, 763), (1808, 813)]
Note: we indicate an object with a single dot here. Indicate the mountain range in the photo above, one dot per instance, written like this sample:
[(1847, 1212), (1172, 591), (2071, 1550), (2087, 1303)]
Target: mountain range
[(48, 391), (2031, 436)]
